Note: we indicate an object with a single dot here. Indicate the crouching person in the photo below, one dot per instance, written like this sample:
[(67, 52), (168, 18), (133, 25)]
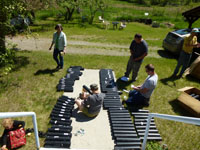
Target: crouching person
[(140, 95), (91, 104), (11, 125)]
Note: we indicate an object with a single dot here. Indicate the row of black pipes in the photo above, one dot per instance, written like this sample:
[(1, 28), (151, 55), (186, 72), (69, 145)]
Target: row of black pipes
[(126, 133)]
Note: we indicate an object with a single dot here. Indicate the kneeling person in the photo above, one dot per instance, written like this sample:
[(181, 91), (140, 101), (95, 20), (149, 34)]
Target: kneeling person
[(140, 95), (90, 105)]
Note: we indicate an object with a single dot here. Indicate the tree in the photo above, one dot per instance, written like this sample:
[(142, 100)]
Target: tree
[(69, 6), (8, 8), (34, 5), (94, 6), (103, 6), (12, 8)]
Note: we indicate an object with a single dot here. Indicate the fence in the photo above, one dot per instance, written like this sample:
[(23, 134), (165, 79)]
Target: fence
[(22, 114), (190, 120)]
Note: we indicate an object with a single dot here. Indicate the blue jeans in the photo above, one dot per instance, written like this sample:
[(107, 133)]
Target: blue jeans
[(60, 62), (183, 61), (136, 98)]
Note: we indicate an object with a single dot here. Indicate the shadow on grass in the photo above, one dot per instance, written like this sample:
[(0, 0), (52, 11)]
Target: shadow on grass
[(5, 82), (80, 117), (192, 79), (166, 54), (46, 71), (129, 1), (170, 81), (20, 61), (121, 84), (3, 86), (178, 109)]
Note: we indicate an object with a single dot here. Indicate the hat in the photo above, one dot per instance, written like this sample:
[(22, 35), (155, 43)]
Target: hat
[(195, 30), (94, 87)]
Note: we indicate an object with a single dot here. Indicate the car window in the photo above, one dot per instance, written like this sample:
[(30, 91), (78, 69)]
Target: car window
[(172, 35), (183, 31)]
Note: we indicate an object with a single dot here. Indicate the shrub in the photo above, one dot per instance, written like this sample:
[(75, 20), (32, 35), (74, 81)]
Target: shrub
[(7, 58), (126, 18), (7, 61), (156, 146), (43, 15)]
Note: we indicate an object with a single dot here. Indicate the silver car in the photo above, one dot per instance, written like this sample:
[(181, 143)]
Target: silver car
[(173, 42)]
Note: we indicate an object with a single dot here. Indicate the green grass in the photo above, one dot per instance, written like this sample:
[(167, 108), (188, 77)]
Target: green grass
[(117, 10), (168, 13), (32, 87), (153, 36), (122, 10), (32, 84)]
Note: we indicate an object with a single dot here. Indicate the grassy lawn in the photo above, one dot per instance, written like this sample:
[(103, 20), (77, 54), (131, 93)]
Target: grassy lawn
[(32, 87), (95, 33), (118, 10)]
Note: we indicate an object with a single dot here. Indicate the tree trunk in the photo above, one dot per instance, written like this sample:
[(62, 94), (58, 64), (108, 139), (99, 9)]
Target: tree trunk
[(2, 43), (66, 15), (92, 16), (32, 14), (91, 19), (3, 29), (70, 13)]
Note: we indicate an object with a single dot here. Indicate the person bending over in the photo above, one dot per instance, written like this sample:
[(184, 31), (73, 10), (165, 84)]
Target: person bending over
[(189, 43), (90, 105), (140, 95), (9, 125)]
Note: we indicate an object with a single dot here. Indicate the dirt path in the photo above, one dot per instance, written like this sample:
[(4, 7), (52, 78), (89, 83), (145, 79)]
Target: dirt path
[(76, 46)]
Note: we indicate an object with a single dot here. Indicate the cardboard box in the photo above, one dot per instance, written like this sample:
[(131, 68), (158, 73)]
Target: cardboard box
[(194, 69), (189, 103)]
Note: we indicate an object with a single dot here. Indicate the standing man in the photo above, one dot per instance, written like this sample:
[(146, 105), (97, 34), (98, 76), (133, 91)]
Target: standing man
[(140, 95), (189, 43), (60, 41), (138, 50)]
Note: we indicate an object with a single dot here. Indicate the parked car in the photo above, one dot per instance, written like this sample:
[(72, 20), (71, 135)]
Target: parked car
[(173, 42)]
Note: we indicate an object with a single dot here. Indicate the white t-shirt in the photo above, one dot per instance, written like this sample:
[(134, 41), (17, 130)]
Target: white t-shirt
[(150, 83)]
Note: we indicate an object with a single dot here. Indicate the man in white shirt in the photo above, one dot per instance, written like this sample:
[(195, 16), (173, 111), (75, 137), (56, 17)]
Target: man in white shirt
[(140, 95)]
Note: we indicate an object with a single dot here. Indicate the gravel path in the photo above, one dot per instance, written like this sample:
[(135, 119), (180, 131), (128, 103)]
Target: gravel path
[(76, 46)]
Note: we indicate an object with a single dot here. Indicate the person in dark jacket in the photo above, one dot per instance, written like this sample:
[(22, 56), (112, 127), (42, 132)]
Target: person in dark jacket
[(90, 105), (9, 125), (138, 50)]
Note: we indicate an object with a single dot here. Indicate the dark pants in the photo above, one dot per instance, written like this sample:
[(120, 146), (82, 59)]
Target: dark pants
[(133, 66), (183, 61), (1, 142), (59, 62), (136, 98)]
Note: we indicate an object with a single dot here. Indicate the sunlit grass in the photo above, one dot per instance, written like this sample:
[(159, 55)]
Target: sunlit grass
[(32, 87)]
